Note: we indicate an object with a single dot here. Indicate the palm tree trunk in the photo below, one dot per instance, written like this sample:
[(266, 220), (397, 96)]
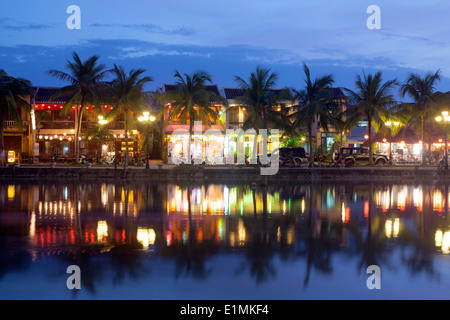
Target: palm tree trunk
[(188, 156), (369, 132), (2, 140), (3, 154), (422, 131), (77, 145), (311, 150), (125, 159), (78, 120)]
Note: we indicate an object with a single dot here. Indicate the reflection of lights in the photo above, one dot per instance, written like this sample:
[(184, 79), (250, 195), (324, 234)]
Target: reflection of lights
[(241, 229), (11, 192), (145, 236), (438, 238), (446, 243), (396, 228), (442, 240), (102, 230), (345, 213), (302, 205), (392, 228), (401, 200), (388, 227), (366, 209), (418, 198), (437, 201), (169, 238)]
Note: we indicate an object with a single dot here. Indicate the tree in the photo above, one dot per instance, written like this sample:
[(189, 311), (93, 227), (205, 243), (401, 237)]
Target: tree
[(313, 104), (191, 101), (99, 136), (13, 96), (86, 80), (260, 97), (158, 105), (372, 100), (425, 98), (127, 98), (262, 102)]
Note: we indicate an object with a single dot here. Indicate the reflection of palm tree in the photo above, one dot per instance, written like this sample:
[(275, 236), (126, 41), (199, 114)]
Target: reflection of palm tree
[(317, 249), (258, 249), (421, 258), (373, 247), (191, 255)]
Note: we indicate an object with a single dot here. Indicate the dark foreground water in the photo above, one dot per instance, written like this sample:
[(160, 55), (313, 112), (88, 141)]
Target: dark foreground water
[(170, 241)]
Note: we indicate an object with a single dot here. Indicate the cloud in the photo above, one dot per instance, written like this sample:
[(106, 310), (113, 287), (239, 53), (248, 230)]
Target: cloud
[(147, 27), (13, 25)]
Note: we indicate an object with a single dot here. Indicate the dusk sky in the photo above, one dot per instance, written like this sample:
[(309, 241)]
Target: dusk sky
[(228, 38)]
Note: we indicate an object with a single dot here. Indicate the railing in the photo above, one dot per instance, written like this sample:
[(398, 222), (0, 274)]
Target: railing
[(12, 125)]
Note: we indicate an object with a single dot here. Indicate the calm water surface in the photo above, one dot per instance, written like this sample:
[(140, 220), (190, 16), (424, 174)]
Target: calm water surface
[(169, 241)]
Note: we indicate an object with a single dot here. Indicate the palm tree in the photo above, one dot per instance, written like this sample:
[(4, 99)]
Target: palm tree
[(313, 104), (192, 101), (261, 101), (425, 99), (86, 79), (127, 97), (373, 99), (260, 97), (13, 96)]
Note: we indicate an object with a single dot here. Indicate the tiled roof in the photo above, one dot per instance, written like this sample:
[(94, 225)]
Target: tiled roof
[(213, 88), (43, 94), (234, 93)]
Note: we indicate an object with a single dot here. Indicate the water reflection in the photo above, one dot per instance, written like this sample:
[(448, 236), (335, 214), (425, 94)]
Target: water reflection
[(113, 230)]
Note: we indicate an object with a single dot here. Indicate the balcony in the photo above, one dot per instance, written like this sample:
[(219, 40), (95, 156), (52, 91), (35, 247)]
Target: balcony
[(11, 126)]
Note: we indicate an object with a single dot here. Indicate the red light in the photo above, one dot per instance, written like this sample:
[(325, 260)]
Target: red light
[(384, 140), (366, 209)]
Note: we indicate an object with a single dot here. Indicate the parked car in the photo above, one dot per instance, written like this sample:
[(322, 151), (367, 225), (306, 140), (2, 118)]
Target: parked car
[(350, 156)]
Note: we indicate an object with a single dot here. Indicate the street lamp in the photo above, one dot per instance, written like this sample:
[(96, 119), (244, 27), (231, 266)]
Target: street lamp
[(391, 124), (101, 121), (147, 119), (445, 118)]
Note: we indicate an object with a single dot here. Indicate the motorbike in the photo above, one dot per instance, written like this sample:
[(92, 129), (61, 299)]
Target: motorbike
[(441, 164)]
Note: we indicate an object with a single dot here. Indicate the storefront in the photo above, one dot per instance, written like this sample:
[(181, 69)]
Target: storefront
[(217, 145)]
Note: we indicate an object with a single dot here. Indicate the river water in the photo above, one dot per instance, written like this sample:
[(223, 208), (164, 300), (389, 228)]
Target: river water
[(171, 241)]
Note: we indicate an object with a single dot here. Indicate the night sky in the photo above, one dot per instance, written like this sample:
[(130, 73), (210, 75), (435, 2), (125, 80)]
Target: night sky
[(228, 38)]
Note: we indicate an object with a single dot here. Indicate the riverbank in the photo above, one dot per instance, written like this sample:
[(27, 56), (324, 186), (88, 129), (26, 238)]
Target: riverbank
[(221, 174)]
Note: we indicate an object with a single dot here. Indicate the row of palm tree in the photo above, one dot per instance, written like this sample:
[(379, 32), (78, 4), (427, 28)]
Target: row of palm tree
[(372, 100)]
